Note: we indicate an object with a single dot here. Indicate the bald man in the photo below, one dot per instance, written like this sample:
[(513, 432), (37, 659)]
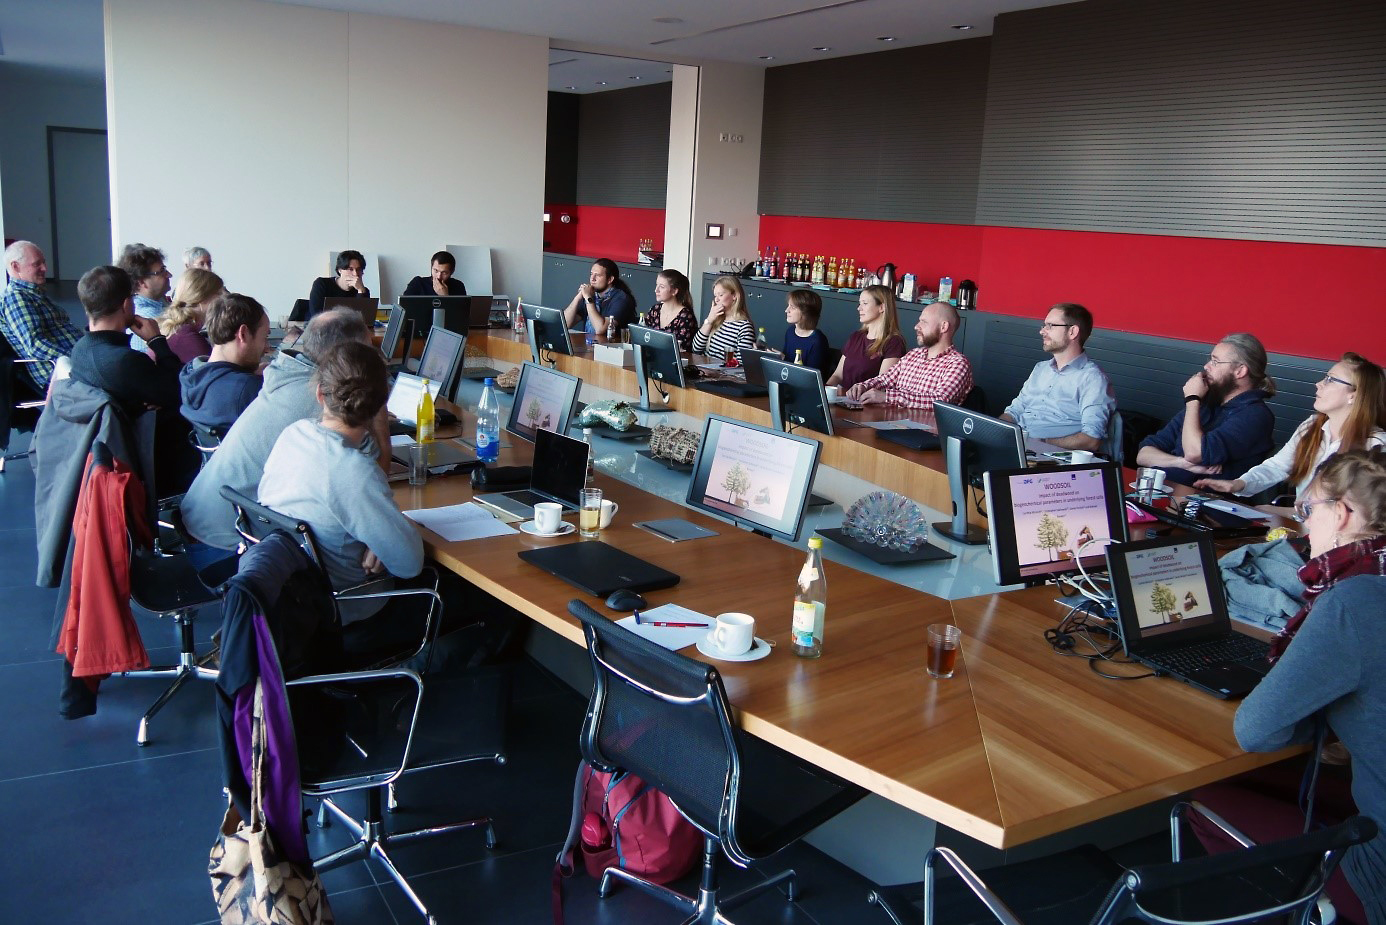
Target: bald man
[(36, 328), (933, 371)]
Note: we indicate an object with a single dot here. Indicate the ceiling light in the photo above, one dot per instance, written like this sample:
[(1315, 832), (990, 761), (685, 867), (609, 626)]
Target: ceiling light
[(632, 78), (601, 83), (668, 20), (570, 88), (767, 57), (822, 48), (962, 28), (885, 38)]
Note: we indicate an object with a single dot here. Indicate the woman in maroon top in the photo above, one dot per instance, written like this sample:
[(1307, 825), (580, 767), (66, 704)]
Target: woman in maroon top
[(182, 321), (673, 312), (874, 348)]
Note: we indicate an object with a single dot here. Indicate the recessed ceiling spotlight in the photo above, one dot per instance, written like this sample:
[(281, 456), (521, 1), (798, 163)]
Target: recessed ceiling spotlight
[(767, 57), (570, 88), (822, 48), (962, 28), (668, 20), (632, 78), (601, 83), (885, 38)]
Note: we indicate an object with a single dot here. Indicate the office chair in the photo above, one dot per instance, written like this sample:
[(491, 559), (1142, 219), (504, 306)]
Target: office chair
[(365, 730), (665, 717), (975, 400), (1280, 882), (205, 439), (20, 404)]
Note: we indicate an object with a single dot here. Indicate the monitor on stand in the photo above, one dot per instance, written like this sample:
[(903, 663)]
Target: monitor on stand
[(442, 359), (544, 400), (548, 333), (657, 359), (973, 443), (757, 478), (797, 397)]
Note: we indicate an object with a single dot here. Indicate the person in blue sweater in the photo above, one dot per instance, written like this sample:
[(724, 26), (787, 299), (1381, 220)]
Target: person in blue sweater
[(217, 388), (803, 342)]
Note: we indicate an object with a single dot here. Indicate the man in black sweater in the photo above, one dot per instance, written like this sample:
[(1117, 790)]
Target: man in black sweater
[(103, 358)]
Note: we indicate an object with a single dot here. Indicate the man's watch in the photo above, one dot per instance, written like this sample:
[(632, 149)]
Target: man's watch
[(1189, 398)]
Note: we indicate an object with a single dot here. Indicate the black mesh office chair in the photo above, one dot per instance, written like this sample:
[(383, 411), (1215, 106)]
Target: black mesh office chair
[(205, 440), (1280, 883), (20, 404), (665, 717)]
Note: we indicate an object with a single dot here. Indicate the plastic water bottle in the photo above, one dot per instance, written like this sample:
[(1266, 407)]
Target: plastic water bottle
[(488, 424), (761, 342)]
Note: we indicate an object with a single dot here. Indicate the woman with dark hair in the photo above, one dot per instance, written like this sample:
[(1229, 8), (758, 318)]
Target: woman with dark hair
[(325, 473), (346, 284), (803, 342), (727, 326), (876, 345), (673, 310), (1349, 414), (1330, 667)]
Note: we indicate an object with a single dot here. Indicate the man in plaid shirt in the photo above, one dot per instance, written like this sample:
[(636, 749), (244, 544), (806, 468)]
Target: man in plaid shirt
[(35, 326), (933, 371)]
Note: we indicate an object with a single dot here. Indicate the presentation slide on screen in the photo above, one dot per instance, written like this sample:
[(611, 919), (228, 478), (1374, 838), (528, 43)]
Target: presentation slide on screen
[(540, 404), (752, 473), (1054, 514), (1169, 588)]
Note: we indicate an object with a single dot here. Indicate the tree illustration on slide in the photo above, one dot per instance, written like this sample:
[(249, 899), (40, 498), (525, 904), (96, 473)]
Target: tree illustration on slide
[(737, 482), (532, 412), (1162, 601), (1051, 534)]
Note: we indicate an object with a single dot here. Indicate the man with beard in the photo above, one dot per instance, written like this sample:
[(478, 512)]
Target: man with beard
[(1067, 400), (933, 371), (1232, 429)]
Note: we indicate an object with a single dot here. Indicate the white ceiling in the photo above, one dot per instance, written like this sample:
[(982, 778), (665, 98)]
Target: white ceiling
[(65, 35)]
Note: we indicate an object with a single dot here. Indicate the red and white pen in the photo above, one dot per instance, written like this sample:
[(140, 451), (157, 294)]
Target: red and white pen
[(664, 623)]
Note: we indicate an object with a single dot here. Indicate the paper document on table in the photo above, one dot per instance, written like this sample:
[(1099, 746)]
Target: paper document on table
[(458, 522), (400, 440), (670, 637), (898, 424)]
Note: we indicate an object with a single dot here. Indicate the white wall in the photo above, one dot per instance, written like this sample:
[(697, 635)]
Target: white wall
[(302, 131), (30, 101)]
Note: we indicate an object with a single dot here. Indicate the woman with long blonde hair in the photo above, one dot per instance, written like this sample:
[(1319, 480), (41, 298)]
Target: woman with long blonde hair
[(182, 321), (727, 326)]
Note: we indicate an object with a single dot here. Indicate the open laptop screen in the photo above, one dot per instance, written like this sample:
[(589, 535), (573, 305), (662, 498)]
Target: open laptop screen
[(560, 467), (1167, 587)]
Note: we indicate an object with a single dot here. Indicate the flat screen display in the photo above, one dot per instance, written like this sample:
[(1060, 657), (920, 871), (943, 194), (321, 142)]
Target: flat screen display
[(544, 400), (754, 476), (1166, 586)]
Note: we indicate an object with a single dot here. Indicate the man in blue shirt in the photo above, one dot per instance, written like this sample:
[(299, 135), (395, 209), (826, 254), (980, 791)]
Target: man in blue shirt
[(1232, 429), (1067, 400), (36, 328), (151, 277), (605, 301)]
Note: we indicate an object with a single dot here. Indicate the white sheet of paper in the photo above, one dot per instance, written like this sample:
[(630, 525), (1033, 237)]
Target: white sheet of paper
[(458, 522), (899, 424), (400, 440), (670, 637)]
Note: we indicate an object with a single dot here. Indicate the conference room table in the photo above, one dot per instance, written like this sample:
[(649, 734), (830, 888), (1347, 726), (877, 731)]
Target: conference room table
[(1022, 742)]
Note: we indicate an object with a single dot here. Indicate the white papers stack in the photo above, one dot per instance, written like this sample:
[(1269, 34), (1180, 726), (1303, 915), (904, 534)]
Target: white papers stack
[(458, 522), (670, 637)]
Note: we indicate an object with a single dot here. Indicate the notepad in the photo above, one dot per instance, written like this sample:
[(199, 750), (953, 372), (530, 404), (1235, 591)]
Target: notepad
[(458, 522)]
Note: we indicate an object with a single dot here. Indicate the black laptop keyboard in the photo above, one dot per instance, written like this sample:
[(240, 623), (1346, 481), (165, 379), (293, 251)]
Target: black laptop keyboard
[(736, 389), (1237, 648), (525, 496)]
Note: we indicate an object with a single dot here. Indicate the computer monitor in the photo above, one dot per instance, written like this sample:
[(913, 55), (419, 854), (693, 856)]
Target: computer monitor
[(367, 306), (797, 397), (1044, 522), (442, 358), (973, 443), (657, 358), (544, 400), (753, 476), (454, 312), (547, 332)]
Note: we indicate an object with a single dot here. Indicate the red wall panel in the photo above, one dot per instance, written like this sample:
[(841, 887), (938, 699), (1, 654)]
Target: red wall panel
[(608, 231)]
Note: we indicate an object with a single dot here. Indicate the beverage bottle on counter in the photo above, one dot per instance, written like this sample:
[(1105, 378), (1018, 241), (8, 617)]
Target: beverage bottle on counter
[(518, 325), (760, 264), (423, 417), (761, 342), (816, 278), (590, 480), (798, 357), (488, 424), (945, 288), (810, 603)]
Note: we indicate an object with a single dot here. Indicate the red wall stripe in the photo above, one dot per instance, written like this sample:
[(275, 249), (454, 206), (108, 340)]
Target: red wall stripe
[(603, 231)]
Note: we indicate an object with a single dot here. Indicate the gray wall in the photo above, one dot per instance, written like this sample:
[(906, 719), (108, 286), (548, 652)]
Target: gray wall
[(893, 136), (623, 154)]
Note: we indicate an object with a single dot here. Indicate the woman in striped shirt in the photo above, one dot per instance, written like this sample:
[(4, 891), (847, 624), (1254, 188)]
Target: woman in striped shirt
[(727, 326)]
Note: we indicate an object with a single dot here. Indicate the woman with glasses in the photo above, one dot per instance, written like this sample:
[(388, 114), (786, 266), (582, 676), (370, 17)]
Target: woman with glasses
[(1349, 414), (1330, 664)]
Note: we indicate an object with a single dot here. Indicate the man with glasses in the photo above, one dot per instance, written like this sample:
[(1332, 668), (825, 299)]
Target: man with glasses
[(36, 328), (1067, 400), (1230, 429), (151, 277)]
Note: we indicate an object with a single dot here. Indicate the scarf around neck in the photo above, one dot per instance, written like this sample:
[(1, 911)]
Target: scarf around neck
[(1361, 557)]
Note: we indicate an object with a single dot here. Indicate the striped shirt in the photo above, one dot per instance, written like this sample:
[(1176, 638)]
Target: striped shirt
[(729, 335)]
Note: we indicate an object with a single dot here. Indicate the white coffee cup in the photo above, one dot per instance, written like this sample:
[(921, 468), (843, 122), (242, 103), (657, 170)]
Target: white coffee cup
[(1080, 457), (832, 391), (735, 633), (548, 516), (609, 509), (1155, 476)]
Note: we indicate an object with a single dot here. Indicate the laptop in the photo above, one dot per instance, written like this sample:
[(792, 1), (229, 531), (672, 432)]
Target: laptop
[(442, 454), (599, 569), (558, 474), (753, 387), (366, 305), (1173, 615)]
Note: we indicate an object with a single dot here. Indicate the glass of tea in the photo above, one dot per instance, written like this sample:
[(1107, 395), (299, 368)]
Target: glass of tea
[(944, 639), (590, 513)]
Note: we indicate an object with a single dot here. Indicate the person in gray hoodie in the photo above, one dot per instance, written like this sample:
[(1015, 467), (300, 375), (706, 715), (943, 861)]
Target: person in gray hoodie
[(217, 388), (288, 395)]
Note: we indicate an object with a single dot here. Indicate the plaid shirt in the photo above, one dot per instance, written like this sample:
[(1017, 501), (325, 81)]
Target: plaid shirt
[(918, 381), (37, 329)]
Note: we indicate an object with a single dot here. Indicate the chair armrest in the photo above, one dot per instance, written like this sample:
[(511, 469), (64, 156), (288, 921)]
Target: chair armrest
[(349, 677), (1177, 812), (969, 879), (431, 620)]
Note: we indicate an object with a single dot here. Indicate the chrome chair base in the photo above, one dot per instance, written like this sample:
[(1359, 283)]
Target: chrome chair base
[(706, 908), (372, 841), (189, 667)]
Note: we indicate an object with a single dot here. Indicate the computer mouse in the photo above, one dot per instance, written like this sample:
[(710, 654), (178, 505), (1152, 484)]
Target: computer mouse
[(625, 600)]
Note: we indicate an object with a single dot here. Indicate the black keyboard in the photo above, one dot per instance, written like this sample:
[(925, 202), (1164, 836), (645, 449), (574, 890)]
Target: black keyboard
[(1238, 648), (734, 389)]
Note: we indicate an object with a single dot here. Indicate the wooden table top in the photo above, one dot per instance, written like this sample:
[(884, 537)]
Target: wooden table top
[(1019, 744)]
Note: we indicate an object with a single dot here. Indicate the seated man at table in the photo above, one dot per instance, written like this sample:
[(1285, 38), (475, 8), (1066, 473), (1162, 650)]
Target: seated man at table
[(933, 371), (36, 328), (217, 388), (440, 280), (1067, 400), (151, 279), (288, 395), (1231, 429), (604, 303)]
